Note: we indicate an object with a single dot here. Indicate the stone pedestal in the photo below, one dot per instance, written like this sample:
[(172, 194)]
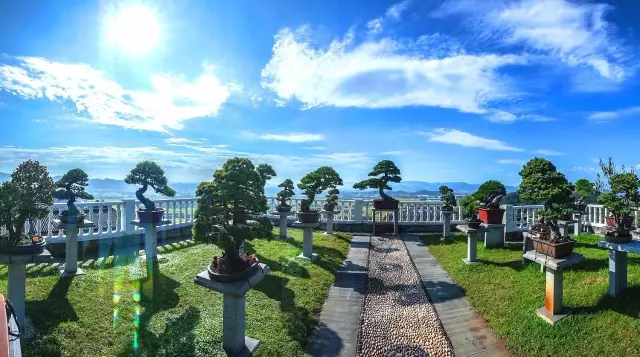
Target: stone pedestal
[(618, 264), (234, 341), (151, 243), (396, 213), (553, 311), (329, 215), (283, 223), (307, 240), (577, 227), (70, 267), (564, 227), (473, 234), (494, 236), (446, 225), (17, 277)]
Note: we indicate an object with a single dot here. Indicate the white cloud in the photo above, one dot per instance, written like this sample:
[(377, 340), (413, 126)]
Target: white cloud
[(180, 141), (319, 148), (605, 116), (500, 116), (537, 118), (548, 152), (584, 169), (171, 101), (382, 74), (375, 25), (395, 11), (512, 161), (457, 137), (393, 153), (290, 137)]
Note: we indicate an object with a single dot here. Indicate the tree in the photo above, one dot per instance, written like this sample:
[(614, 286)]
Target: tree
[(72, 186), (25, 198), (584, 190), (332, 199), (284, 195), (315, 182), (384, 172), (488, 188), (266, 173), (149, 174), (623, 197), (447, 196)]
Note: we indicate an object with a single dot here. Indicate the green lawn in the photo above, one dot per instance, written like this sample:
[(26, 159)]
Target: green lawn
[(74, 317), (507, 295)]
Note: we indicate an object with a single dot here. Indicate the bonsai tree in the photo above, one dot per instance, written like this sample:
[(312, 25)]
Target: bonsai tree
[(285, 195), (469, 207), (332, 199), (26, 197), (71, 187), (491, 200), (149, 174), (489, 187), (542, 182), (583, 190), (447, 197), (384, 172), (266, 173), (314, 183), (622, 198), (237, 187)]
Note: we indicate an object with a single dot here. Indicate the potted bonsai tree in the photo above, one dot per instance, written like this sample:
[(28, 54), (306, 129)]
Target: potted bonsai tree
[(332, 199), (149, 174), (470, 207), (71, 187), (583, 189), (284, 196), (542, 182), (489, 187), (384, 172), (490, 194), (448, 198), (312, 184), (622, 199), (25, 198), (236, 188), (266, 173)]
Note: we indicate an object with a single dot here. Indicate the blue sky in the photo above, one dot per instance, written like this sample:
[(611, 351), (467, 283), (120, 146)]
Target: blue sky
[(453, 90)]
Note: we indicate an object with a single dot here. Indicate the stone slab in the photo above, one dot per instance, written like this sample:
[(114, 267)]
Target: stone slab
[(85, 224), (236, 288), (44, 257), (136, 222), (553, 263), (286, 214), (633, 247), (566, 223), (313, 257), (250, 345), (298, 224), (464, 228), (466, 261), (551, 318), (66, 274)]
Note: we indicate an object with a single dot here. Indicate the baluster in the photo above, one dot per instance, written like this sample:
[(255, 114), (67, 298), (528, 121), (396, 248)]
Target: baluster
[(109, 215), (50, 224)]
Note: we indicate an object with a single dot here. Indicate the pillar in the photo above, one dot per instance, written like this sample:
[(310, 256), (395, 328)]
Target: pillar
[(16, 291), (71, 254), (233, 315), (307, 241), (553, 294), (494, 236), (617, 272), (329, 229), (472, 248), (357, 211), (283, 225), (446, 225)]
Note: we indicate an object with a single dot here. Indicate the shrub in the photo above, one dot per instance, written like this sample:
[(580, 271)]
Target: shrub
[(262, 228)]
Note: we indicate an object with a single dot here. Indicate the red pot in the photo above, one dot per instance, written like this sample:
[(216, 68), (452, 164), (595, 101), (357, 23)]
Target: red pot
[(385, 204), (150, 216), (491, 216), (626, 221)]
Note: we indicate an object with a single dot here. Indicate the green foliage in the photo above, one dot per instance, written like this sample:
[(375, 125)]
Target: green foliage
[(72, 186), (585, 191), (447, 196), (266, 173), (285, 194), (27, 196), (470, 206), (488, 188), (261, 228), (623, 197), (332, 199), (384, 172), (148, 173), (542, 182), (314, 183)]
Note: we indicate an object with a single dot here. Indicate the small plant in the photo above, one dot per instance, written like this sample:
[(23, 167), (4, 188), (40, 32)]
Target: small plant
[(447, 197), (71, 187), (314, 183), (384, 172), (285, 195), (469, 207), (149, 174), (26, 197), (622, 199), (332, 199)]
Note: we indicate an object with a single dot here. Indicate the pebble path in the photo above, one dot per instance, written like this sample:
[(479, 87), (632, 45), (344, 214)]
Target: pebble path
[(397, 318)]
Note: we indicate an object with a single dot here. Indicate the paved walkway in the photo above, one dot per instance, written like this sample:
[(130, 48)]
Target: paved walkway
[(337, 331), (469, 333)]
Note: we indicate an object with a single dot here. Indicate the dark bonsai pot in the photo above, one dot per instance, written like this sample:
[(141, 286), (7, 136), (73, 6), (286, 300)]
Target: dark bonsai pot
[(228, 278), (390, 204), (308, 217), (581, 207), (23, 249), (447, 209), (491, 216), (618, 239), (474, 224), (145, 216), (328, 207), (555, 250), (72, 219), (283, 209)]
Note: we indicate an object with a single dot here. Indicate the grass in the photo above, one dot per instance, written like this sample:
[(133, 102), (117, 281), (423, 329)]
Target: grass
[(507, 294), (74, 317)]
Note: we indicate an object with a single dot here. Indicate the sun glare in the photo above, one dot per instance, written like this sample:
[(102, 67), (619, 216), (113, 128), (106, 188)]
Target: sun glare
[(133, 29)]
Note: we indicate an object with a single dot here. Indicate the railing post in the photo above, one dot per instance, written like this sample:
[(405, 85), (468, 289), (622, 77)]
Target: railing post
[(507, 220), (357, 211), (129, 215)]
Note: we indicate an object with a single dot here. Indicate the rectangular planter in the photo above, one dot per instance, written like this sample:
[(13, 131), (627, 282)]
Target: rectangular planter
[(559, 250), (491, 216)]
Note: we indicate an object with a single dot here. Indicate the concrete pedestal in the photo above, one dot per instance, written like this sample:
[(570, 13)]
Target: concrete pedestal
[(307, 240), (70, 267), (618, 264), (329, 215), (473, 234), (494, 236), (577, 227), (446, 226), (553, 311), (283, 223), (564, 227), (396, 213), (151, 243), (17, 277), (234, 342)]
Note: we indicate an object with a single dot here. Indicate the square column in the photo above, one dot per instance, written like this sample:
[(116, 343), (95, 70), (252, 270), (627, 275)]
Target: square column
[(307, 240), (618, 264), (396, 213), (473, 234), (234, 341), (70, 267), (577, 227), (564, 227), (330, 215), (446, 225), (494, 236), (283, 223)]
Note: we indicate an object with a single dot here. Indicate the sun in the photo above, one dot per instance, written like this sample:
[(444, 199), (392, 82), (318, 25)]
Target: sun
[(133, 29)]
